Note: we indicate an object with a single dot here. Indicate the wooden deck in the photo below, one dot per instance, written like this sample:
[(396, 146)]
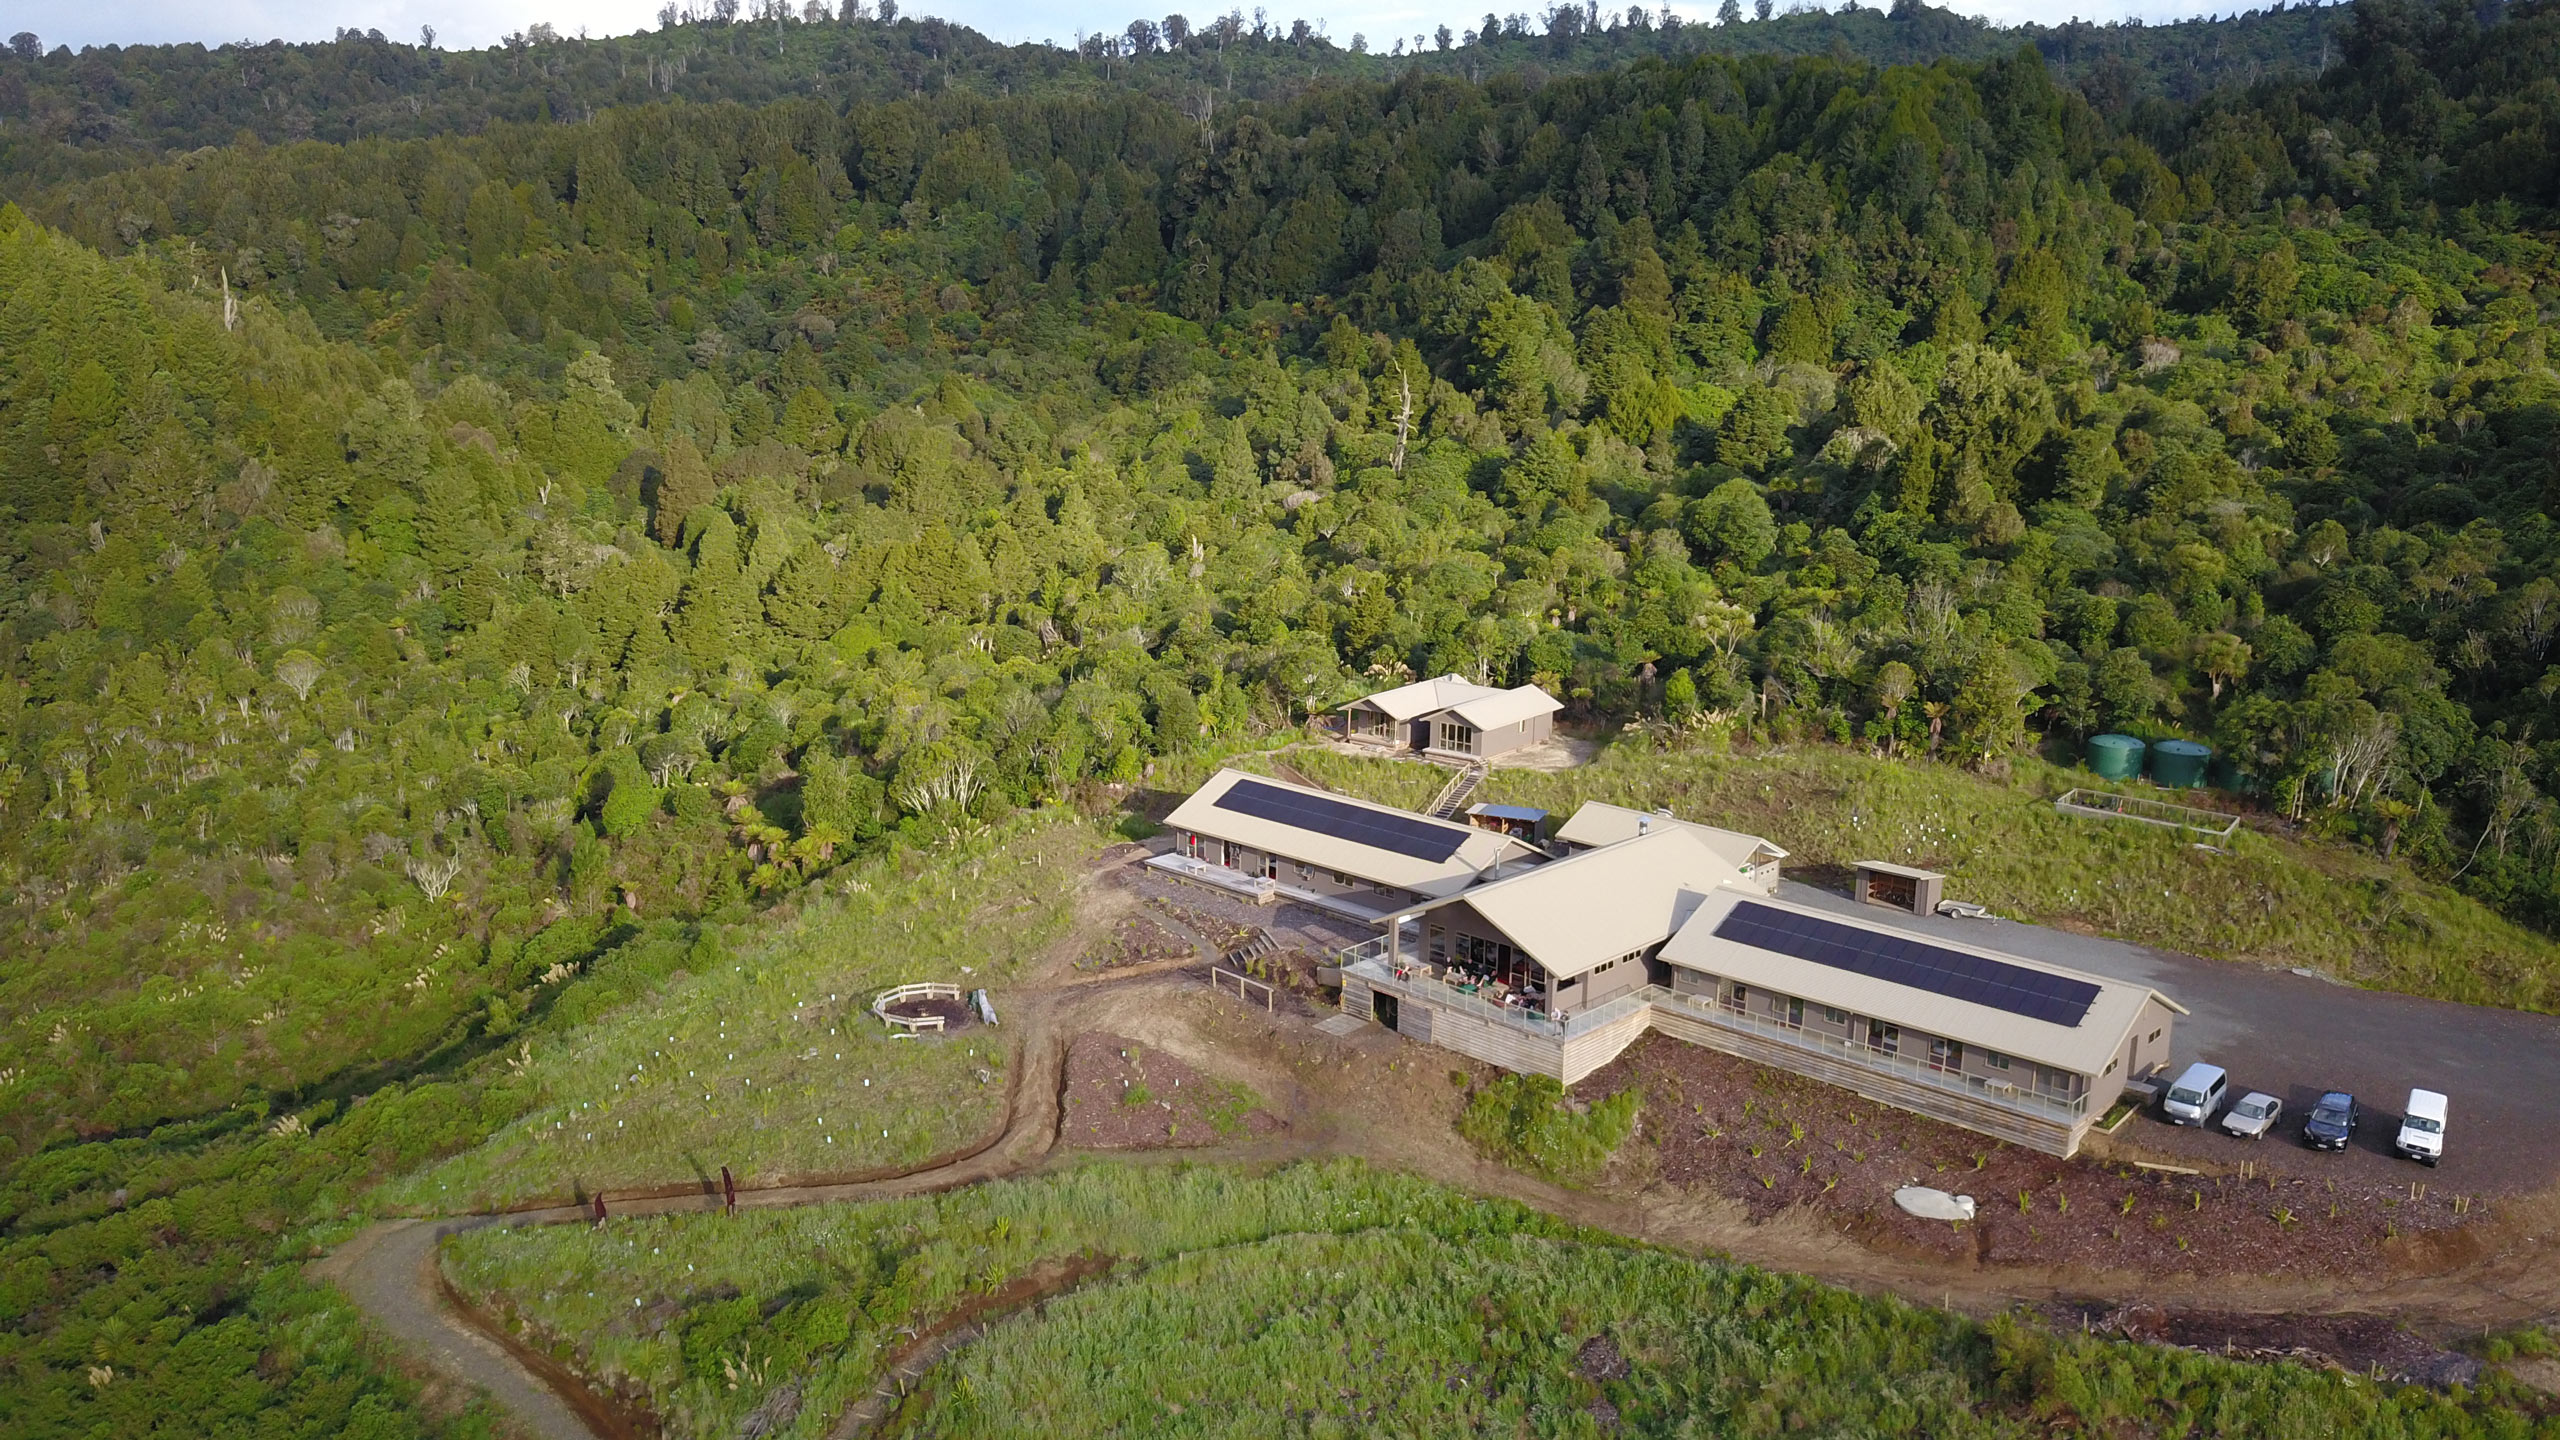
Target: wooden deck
[(1580, 1049)]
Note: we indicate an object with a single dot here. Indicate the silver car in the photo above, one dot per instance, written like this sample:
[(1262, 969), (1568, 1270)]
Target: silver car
[(2254, 1116)]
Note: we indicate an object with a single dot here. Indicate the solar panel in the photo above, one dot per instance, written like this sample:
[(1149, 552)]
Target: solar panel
[(1899, 960), (1404, 834)]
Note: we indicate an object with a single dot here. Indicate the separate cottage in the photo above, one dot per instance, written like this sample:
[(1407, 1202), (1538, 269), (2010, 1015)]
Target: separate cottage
[(1556, 970), (1452, 719), (1268, 839), (1755, 861)]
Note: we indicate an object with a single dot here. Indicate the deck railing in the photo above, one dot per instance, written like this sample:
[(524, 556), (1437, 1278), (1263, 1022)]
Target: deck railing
[(1439, 994), (1700, 1007), (1368, 961)]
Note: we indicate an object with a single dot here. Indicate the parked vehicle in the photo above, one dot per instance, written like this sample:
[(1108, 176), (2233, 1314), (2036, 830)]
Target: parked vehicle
[(2422, 1128), (2255, 1115), (2331, 1121), (2195, 1094)]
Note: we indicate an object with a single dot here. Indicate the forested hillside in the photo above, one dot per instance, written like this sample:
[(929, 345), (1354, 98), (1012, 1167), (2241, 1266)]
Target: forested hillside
[(63, 114), (432, 561)]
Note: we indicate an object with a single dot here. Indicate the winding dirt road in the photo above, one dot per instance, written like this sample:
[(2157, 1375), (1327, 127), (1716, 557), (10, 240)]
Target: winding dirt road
[(1354, 1097)]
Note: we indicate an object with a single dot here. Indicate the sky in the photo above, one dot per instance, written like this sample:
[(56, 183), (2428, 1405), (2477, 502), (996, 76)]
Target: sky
[(472, 23)]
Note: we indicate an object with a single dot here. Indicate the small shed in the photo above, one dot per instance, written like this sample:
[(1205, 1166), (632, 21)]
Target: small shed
[(1898, 887), (1521, 822)]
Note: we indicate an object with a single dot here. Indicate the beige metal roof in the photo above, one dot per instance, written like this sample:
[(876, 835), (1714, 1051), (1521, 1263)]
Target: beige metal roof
[(2084, 1048), (1887, 867), (1506, 707), (1575, 913), (1477, 852), (1426, 697), (1600, 823)]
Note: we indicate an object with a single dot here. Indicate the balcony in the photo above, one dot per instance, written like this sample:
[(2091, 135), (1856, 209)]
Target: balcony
[(2066, 1109), (1368, 962)]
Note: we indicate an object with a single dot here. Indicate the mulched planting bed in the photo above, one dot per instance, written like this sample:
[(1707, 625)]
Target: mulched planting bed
[(1122, 1096), (1776, 1141), (2362, 1344), (1134, 940), (1224, 931)]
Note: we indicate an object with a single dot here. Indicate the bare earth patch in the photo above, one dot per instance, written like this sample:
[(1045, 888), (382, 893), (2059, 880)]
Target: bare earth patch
[(1122, 1096), (1777, 1142), (2360, 1344)]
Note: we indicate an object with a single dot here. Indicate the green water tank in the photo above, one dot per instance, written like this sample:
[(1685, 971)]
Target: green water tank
[(2226, 774), (2179, 764), (2115, 757)]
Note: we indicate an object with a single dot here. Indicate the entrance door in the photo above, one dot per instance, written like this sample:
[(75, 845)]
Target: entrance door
[(1384, 1008)]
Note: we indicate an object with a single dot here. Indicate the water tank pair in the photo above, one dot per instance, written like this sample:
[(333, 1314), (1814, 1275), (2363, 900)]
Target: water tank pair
[(2174, 764)]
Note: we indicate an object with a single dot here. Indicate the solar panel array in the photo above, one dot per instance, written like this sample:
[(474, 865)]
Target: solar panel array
[(1404, 834), (1902, 960)]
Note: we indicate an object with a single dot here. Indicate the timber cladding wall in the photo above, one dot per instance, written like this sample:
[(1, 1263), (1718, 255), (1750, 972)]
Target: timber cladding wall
[(1572, 1059), (2052, 1137)]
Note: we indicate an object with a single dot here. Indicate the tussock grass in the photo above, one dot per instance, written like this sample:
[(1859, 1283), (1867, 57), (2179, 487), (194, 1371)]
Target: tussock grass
[(2271, 901), (1524, 1121), (761, 1063), (850, 1277), (1332, 1299)]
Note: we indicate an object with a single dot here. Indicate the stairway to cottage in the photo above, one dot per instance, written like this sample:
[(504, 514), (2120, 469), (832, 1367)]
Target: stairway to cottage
[(1454, 795)]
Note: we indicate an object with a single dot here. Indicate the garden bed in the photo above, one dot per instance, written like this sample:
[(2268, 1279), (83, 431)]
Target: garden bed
[(1776, 1142), (1121, 1096), (1131, 941)]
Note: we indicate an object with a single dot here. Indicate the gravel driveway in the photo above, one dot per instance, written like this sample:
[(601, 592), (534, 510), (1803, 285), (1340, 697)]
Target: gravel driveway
[(2294, 1036)]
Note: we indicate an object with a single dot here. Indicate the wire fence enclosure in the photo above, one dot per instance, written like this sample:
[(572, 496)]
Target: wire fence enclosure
[(2109, 805)]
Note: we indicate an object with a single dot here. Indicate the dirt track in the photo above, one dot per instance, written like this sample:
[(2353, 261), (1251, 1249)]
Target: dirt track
[(1376, 1097)]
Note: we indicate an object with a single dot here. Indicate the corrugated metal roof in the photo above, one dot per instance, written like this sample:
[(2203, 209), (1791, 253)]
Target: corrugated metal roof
[(1506, 707), (1508, 812), (1426, 697), (1601, 823), (2084, 1048), (1887, 867), (1577, 912), (1477, 850)]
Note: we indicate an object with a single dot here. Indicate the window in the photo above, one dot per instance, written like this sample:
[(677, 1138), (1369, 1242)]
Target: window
[(1833, 1015), (1737, 999), (2155, 1035), (1995, 1059), (1946, 1054), (1884, 1039), (1341, 879), (1795, 1013), (1306, 871), (2111, 1067)]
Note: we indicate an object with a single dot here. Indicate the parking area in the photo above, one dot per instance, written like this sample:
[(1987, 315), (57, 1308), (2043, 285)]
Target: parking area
[(2294, 1036)]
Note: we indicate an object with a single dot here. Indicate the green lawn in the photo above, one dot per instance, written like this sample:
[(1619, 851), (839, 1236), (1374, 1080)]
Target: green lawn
[(772, 1063), (1330, 1300), (2271, 900)]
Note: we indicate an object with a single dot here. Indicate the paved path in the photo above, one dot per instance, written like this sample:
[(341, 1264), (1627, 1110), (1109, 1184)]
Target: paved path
[(2295, 1036)]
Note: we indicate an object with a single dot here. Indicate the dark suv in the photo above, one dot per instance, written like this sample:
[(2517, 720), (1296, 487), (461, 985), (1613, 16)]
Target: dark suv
[(2331, 1121)]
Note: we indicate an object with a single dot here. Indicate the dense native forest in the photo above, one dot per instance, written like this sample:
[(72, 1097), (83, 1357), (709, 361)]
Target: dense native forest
[(433, 555), (62, 114)]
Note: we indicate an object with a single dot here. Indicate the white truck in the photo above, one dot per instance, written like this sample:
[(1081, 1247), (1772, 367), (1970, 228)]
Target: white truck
[(2422, 1128)]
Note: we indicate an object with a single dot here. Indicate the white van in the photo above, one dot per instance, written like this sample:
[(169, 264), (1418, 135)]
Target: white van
[(2193, 1097), (2422, 1128)]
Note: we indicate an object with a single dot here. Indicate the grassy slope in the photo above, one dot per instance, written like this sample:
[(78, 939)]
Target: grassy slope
[(1357, 1302), (762, 1066), (2271, 901)]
